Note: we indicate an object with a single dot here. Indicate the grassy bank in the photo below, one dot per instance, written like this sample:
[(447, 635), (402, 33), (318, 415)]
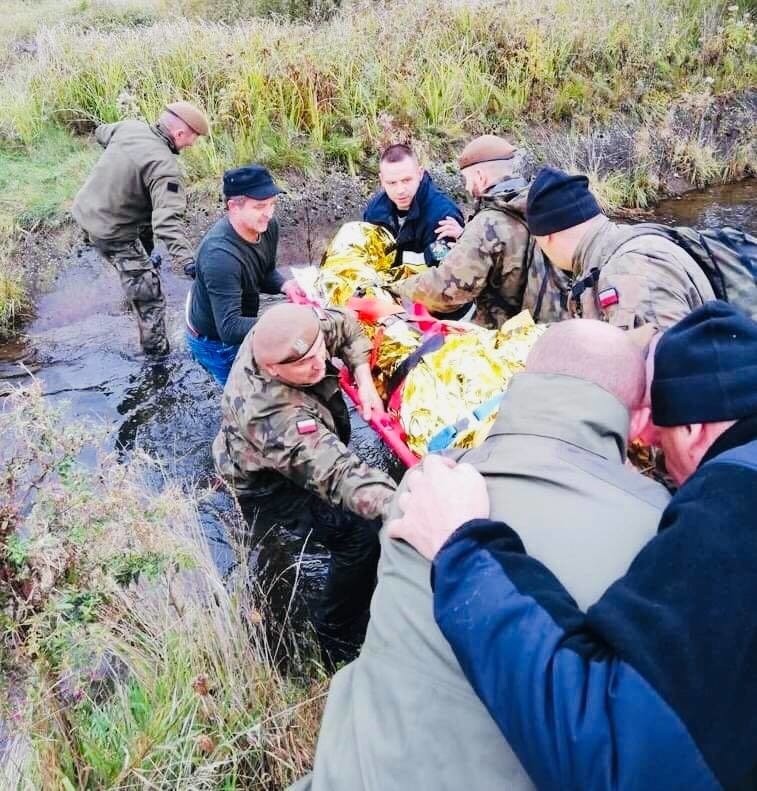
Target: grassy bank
[(293, 94), (127, 661), (629, 90)]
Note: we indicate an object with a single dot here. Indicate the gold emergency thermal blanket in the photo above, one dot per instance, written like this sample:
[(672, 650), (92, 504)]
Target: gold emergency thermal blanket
[(471, 366), (358, 262), (469, 369)]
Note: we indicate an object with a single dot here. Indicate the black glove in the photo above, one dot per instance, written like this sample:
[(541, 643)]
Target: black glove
[(156, 259), (190, 270)]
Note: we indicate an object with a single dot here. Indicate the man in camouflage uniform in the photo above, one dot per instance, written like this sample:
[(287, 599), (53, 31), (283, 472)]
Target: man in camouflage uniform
[(621, 276), (134, 191), (283, 448), (494, 262)]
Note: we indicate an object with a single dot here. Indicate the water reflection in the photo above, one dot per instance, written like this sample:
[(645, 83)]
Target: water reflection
[(730, 204)]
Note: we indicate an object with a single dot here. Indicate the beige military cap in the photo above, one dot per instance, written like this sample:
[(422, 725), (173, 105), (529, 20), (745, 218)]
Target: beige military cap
[(284, 334), (192, 116), (487, 148)]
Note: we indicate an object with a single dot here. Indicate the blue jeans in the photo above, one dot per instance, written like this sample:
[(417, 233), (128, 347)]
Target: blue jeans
[(216, 357)]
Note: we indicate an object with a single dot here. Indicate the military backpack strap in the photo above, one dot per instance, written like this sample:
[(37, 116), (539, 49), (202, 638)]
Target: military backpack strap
[(542, 288), (590, 281), (709, 266), (528, 254)]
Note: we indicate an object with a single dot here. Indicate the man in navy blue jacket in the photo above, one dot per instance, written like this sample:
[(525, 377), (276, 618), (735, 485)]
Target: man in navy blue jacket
[(655, 686), (422, 218)]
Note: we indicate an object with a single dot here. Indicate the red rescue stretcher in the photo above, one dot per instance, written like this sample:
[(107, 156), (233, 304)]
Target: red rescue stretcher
[(387, 426)]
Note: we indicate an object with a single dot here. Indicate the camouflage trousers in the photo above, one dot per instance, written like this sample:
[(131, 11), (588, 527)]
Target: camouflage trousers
[(140, 281)]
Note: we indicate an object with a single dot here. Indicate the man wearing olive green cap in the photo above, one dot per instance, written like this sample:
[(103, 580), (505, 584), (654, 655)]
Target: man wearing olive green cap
[(135, 191), (283, 449), (494, 262)]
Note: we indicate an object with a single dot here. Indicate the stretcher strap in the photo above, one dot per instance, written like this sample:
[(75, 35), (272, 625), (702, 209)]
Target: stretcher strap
[(431, 344), (386, 426)]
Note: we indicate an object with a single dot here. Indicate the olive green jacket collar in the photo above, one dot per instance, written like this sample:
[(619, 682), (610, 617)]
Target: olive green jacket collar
[(165, 137), (539, 405)]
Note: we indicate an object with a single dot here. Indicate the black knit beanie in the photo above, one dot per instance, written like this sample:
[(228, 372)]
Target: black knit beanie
[(557, 201), (705, 368)]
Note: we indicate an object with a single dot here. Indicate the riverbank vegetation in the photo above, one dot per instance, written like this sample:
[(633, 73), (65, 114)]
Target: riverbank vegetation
[(295, 93), (640, 86), (127, 661)]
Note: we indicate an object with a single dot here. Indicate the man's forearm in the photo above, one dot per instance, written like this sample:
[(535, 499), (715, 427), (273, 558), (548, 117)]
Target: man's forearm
[(574, 713), (273, 282), (362, 375), (231, 325)]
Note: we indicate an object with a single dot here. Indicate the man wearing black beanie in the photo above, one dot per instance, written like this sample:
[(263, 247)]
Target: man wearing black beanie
[(655, 685), (619, 276)]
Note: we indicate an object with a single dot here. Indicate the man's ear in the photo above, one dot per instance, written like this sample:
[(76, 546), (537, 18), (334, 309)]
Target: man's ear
[(641, 427)]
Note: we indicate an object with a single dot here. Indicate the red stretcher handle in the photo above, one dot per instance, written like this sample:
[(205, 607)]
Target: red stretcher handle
[(386, 426)]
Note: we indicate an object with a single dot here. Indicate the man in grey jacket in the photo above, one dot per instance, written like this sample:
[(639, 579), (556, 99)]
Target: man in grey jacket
[(403, 716)]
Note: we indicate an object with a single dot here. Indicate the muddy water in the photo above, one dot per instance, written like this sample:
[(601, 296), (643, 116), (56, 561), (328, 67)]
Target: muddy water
[(83, 348), (731, 204)]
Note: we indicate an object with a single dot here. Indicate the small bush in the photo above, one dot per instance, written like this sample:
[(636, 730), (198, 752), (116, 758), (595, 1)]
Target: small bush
[(697, 162)]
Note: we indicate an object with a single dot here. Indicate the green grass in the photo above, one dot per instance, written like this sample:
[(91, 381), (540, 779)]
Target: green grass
[(39, 180), (14, 297), (290, 94)]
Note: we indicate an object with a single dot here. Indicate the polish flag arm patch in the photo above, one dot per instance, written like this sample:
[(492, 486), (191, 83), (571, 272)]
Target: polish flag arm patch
[(306, 426), (608, 297)]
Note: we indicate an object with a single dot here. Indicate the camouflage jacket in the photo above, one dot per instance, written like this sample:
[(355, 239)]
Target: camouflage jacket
[(642, 280), (137, 182), (272, 432), (495, 263)]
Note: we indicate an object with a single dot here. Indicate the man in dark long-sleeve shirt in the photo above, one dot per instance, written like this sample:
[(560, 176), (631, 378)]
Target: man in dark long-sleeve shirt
[(236, 262)]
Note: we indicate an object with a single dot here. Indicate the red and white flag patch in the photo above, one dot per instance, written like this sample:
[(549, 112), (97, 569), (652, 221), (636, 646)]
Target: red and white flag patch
[(608, 297), (306, 426)]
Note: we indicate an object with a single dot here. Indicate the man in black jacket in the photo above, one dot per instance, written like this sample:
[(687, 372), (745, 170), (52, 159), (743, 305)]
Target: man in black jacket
[(236, 261), (422, 218)]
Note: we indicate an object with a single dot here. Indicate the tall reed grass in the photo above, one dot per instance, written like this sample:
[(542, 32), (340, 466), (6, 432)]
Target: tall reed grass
[(291, 93)]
